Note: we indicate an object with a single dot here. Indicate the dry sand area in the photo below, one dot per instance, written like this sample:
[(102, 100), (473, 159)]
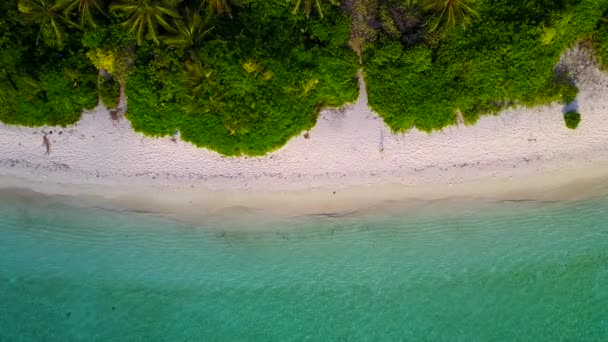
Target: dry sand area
[(351, 158)]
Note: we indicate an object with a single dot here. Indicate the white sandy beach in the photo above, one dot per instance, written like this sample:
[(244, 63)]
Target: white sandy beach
[(520, 154)]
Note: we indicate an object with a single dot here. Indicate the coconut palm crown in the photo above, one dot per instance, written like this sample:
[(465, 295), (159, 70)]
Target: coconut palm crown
[(308, 6), (144, 17), (450, 13), (47, 14), (85, 11), (190, 31)]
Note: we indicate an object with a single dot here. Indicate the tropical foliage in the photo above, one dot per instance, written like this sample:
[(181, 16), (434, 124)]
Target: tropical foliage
[(572, 119), (237, 78), (109, 91), (145, 16), (190, 30), (221, 7), (242, 77), (85, 11), (307, 6), (48, 83), (249, 94), (506, 57), (48, 16), (450, 13), (600, 38)]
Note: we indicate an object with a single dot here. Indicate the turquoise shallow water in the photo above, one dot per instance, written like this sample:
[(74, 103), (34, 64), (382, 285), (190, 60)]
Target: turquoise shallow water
[(514, 271)]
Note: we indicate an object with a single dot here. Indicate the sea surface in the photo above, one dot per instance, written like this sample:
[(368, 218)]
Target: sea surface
[(497, 272)]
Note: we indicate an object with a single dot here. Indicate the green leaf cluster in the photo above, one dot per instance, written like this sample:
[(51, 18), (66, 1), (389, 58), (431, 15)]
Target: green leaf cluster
[(109, 92), (243, 77), (572, 119), (243, 83), (40, 85), (506, 57), (260, 79)]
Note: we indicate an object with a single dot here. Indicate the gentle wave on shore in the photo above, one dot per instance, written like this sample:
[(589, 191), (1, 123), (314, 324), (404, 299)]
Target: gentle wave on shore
[(503, 271)]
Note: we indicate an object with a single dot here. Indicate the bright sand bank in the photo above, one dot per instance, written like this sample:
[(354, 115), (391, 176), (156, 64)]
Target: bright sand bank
[(350, 161)]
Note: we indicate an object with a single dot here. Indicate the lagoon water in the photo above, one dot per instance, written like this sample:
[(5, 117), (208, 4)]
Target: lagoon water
[(505, 271)]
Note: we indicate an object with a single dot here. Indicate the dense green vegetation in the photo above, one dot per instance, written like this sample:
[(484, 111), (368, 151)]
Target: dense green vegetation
[(236, 78), (600, 39), (109, 92), (43, 80), (242, 77), (506, 56), (260, 78), (572, 119)]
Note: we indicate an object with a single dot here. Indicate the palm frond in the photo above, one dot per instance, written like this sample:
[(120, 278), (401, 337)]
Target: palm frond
[(190, 31), (144, 17), (450, 13), (47, 14), (84, 10), (197, 77), (221, 7), (308, 6)]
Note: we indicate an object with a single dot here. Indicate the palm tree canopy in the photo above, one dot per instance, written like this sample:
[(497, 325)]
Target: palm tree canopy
[(85, 10), (144, 16), (197, 77), (221, 7), (451, 12), (190, 31), (46, 14), (308, 6)]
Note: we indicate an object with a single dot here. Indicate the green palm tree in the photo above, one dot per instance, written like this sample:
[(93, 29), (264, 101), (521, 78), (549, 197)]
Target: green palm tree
[(190, 31), (197, 77), (451, 13), (308, 6), (145, 16), (221, 7), (48, 15), (85, 10)]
